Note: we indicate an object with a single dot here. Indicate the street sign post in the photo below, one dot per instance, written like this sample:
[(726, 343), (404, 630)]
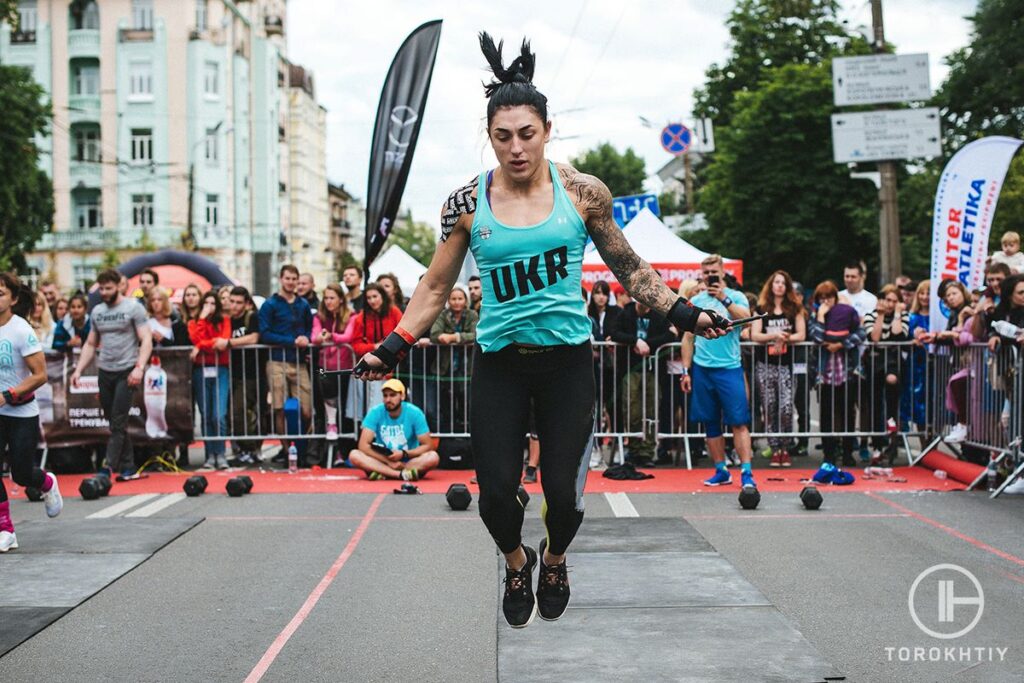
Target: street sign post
[(676, 138), (880, 79), (625, 209), (886, 135)]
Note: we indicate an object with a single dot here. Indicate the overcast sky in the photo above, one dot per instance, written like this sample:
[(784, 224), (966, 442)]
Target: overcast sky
[(602, 64)]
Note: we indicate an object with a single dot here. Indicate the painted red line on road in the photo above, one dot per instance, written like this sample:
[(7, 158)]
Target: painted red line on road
[(271, 518), (798, 515), (949, 530), (275, 648)]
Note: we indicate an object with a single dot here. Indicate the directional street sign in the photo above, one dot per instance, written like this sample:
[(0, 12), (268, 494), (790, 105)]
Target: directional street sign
[(676, 138), (885, 135), (703, 136), (879, 79), (625, 209)]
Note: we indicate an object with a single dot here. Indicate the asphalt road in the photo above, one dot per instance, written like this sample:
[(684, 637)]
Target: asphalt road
[(362, 587)]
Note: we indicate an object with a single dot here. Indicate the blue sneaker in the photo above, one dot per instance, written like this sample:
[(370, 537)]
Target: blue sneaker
[(824, 473), (747, 479), (841, 478), (720, 478)]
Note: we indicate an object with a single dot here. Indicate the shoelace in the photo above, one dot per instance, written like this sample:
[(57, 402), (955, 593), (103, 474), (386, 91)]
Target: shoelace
[(517, 580), (555, 577)]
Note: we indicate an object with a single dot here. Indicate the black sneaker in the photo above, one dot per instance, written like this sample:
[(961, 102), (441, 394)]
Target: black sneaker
[(552, 587), (519, 605)]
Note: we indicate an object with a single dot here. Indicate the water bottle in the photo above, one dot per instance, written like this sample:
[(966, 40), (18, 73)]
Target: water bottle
[(293, 459), (155, 399), (991, 474), (940, 474)]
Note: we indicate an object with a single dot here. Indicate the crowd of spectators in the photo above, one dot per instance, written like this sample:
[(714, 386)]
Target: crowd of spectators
[(863, 363)]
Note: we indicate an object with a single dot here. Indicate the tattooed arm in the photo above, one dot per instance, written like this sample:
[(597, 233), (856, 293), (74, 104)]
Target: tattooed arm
[(594, 202), (433, 289)]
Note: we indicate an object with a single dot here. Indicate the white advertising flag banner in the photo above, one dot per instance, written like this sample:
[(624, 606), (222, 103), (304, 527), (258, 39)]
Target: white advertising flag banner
[(965, 204)]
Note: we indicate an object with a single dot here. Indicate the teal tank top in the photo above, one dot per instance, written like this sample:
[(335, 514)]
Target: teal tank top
[(531, 275)]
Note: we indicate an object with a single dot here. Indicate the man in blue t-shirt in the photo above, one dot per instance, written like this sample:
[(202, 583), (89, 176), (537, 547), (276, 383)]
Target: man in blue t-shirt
[(395, 440), (716, 375)]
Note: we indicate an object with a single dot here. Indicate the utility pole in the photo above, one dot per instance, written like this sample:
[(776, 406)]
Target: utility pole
[(189, 239), (889, 216), (688, 182)]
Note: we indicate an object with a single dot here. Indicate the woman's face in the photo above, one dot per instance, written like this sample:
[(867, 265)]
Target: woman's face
[(1018, 295), (457, 301), (191, 297), (779, 286), (77, 309), (923, 297), (374, 300), (954, 297), (225, 298), (387, 285), (599, 298), (37, 310), (518, 136), (156, 302), (887, 304), (62, 309), (209, 304), (332, 302), (829, 299)]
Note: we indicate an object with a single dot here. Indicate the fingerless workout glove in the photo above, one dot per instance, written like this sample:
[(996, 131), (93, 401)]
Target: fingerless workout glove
[(684, 316), (390, 352)]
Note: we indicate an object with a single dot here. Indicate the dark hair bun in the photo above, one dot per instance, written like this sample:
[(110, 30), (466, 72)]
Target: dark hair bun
[(519, 71)]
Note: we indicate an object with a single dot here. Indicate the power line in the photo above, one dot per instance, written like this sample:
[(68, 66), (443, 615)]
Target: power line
[(600, 55), (568, 44)]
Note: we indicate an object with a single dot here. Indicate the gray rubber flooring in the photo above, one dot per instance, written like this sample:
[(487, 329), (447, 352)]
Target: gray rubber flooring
[(653, 601), (69, 561)]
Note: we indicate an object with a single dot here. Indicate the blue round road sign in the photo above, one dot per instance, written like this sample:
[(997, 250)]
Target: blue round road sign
[(676, 138)]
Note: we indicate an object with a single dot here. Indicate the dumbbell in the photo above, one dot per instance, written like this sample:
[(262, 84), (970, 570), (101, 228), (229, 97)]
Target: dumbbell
[(523, 496), (33, 494), (94, 487), (458, 497), (811, 498), (195, 485), (749, 498), (239, 486)]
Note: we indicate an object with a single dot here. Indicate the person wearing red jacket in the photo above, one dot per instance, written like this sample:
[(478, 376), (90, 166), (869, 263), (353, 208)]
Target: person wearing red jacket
[(371, 326), (210, 333)]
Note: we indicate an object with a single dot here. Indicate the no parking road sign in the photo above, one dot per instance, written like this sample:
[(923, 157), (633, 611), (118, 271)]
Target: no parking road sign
[(676, 138)]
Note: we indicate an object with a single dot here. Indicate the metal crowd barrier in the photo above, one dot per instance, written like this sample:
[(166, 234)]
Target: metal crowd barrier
[(793, 396)]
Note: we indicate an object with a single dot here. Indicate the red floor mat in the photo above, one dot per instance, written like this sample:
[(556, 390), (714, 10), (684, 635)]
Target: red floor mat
[(664, 481)]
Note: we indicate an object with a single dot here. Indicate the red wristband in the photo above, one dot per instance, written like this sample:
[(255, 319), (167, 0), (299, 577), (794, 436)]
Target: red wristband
[(409, 339)]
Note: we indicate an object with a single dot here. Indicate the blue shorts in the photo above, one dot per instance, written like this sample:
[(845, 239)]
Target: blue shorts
[(719, 394)]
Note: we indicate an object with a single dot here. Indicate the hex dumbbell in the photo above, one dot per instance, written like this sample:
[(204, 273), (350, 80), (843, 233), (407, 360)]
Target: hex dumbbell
[(458, 497)]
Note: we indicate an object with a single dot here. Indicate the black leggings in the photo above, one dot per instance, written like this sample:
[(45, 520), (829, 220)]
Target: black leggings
[(19, 439), (560, 380)]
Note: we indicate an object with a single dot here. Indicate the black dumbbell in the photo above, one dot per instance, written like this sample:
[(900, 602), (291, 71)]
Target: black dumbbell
[(811, 498), (195, 485), (93, 487), (33, 494), (458, 497), (237, 488), (749, 497), (523, 496), (247, 480)]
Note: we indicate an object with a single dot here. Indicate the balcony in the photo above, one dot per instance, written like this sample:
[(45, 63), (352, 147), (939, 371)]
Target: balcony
[(22, 37), (97, 239), (84, 108), (86, 174), (84, 42), (136, 35), (273, 25)]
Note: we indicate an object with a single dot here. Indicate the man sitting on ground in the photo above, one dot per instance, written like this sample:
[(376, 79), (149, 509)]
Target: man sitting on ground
[(390, 429)]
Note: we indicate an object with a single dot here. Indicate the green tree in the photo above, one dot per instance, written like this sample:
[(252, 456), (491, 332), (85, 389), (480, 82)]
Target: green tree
[(774, 197), (416, 238), (9, 11), (26, 195), (623, 173), (766, 35)]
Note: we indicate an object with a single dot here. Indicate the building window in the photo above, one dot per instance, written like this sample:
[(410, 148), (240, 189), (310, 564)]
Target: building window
[(142, 15), (28, 16), (212, 148), (142, 144), (140, 80), (86, 79), (87, 210), (87, 144), (211, 77), (85, 274), (85, 16), (142, 210), (212, 207), (201, 15)]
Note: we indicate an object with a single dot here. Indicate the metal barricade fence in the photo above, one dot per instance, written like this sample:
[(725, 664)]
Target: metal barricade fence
[(883, 393)]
